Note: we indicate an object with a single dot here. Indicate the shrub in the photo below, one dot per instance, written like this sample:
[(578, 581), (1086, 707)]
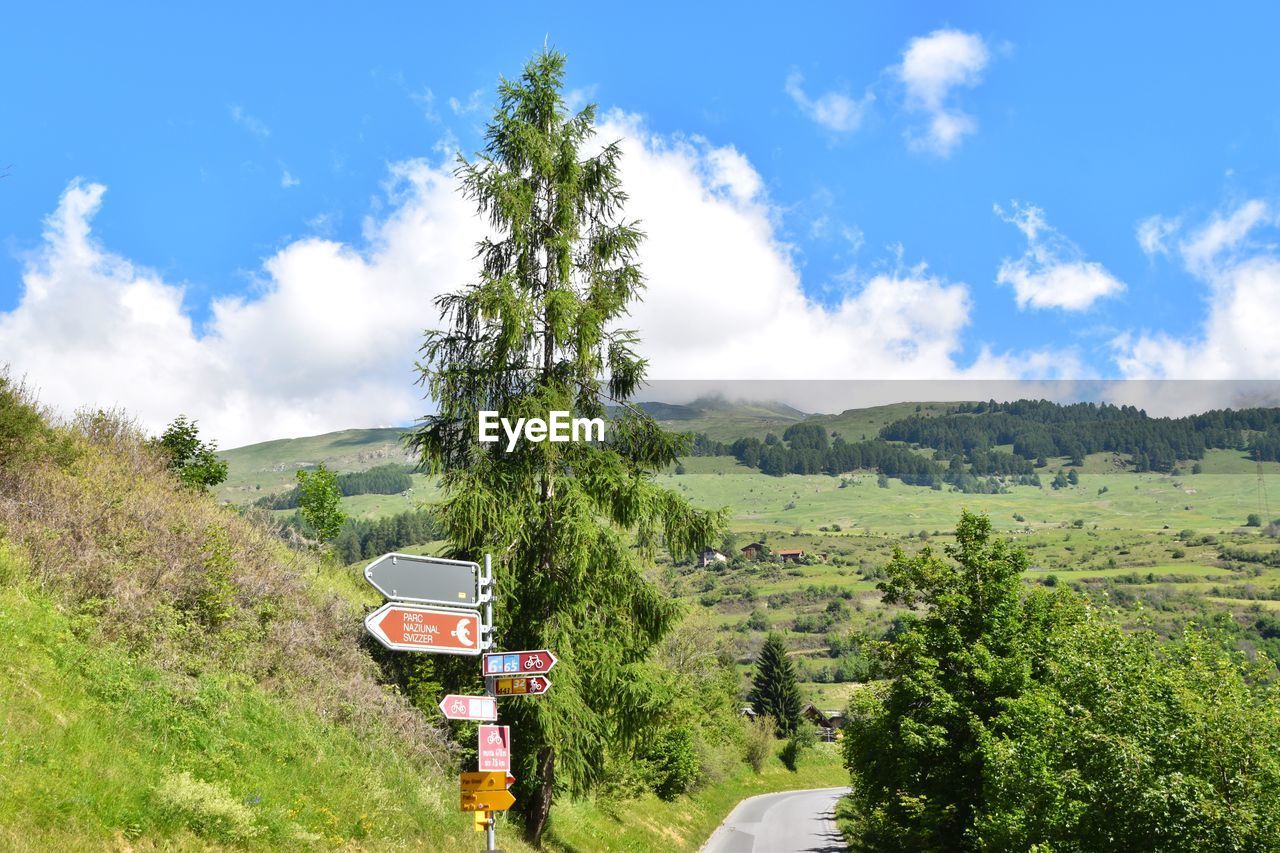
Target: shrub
[(758, 741), (674, 760), (800, 740)]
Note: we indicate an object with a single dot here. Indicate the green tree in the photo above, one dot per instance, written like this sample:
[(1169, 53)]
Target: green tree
[(1254, 520), (320, 502), (915, 753), (195, 462), (1060, 480), (773, 688), (1040, 723), (1073, 478), (571, 525)]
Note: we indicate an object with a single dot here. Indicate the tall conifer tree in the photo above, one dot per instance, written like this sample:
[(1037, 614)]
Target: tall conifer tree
[(773, 690), (570, 525)]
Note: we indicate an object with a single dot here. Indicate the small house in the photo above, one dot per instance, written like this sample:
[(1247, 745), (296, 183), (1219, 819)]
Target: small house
[(791, 556), (709, 556), (754, 551)]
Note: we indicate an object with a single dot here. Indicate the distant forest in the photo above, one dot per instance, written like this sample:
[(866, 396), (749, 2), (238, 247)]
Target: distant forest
[(360, 539), (965, 438), (388, 479)]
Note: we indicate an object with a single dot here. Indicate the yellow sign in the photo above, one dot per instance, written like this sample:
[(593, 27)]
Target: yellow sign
[(488, 801), (481, 820), (495, 780)]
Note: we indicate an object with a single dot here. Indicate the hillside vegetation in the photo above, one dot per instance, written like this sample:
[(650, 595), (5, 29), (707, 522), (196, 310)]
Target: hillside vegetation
[(173, 677), (178, 677)]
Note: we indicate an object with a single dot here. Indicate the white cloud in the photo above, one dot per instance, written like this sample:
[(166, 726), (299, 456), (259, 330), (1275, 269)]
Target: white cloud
[(932, 67), (833, 110), (576, 99), (1052, 273), (1202, 249), (328, 337), (327, 341), (254, 125), (288, 181), (1238, 338), (1153, 234), (473, 103)]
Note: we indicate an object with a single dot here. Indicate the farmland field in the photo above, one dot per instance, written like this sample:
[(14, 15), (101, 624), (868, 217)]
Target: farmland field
[(1150, 543)]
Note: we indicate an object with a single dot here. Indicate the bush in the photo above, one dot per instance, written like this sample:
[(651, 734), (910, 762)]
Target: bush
[(758, 741), (1254, 520), (800, 740), (674, 762), (24, 435)]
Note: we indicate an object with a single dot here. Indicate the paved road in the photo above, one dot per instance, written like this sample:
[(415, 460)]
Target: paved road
[(790, 822)]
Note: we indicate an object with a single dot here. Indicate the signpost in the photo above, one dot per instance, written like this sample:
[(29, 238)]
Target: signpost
[(495, 748), (446, 607), (494, 780), (537, 662), (413, 628), (532, 685), (425, 580), (487, 801), (455, 707)]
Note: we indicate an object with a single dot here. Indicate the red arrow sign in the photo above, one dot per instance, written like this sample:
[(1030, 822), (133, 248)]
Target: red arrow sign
[(411, 628), (523, 685), (536, 662), (456, 707)]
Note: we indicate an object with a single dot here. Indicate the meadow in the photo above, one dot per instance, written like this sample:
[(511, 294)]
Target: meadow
[(1143, 540)]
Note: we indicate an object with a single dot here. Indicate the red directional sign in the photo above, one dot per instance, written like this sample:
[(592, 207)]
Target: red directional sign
[(521, 685), (457, 707), (412, 628), (495, 748), (537, 662)]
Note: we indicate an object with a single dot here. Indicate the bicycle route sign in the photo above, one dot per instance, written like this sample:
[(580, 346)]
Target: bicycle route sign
[(455, 707), (536, 662), (519, 685), (494, 744)]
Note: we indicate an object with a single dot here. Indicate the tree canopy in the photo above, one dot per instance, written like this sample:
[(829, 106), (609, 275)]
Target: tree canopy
[(774, 692), (1037, 723), (195, 462)]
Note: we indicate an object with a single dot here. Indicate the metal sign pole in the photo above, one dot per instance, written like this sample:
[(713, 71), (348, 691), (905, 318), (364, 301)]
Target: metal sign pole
[(487, 597)]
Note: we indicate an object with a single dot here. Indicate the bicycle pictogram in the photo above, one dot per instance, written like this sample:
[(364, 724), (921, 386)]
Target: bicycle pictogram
[(494, 738), (534, 661)]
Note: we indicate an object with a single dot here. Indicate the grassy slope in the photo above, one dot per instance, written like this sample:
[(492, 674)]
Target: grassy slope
[(271, 466), (93, 745), (166, 738)]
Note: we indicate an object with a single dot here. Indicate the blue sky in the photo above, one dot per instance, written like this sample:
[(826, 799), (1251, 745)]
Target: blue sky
[(209, 141)]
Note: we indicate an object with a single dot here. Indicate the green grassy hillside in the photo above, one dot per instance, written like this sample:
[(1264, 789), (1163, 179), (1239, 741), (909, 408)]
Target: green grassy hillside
[(1116, 532), (176, 677), (271, 466), (102, 749)]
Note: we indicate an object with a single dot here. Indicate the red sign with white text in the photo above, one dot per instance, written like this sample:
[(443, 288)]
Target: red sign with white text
[(413, 628), (495, 748)]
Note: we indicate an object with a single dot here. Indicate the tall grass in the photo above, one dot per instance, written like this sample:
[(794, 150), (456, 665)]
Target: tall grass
[(166, 653), (189, 585)]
